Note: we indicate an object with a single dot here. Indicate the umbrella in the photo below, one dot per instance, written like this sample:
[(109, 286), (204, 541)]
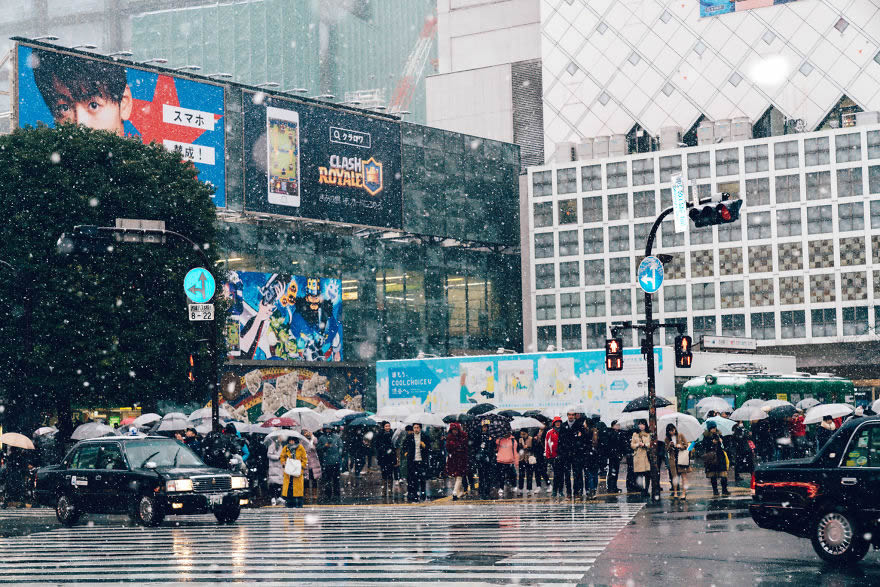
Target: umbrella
[(782, 412), (306, 417), (45, 430), (127, 421), (362, 422), (508, 412), (628, 419), (748, 414), (641, 403), (264, 417), (709, 404), (774, 403), (204, 428), (174, 422), (344, 412), (284, 435), (725, 426), (806, 404), (753, 403), (498, 425), (875, 407), (91, 430), (537, 415), (16, 439), (425, 419), (352, 416), (280, 423), (462, 418), (205, 414), (520, 423), (146, 419), (686, 424), (397, 412), (817, 413), (481, 409)]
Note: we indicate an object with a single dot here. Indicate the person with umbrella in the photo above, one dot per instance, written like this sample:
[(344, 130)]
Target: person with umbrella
[(715, 458), (826, 430), (386, 457), (275, 476), (798, 432), (315, 472), (591, 456), (744, 462), (527, 461), (507, 459), (293, 486), (191, 440), (551, 454), (567, 450), (678, 461), (485, 459), (329, 449), (417, 450), (457, 457)]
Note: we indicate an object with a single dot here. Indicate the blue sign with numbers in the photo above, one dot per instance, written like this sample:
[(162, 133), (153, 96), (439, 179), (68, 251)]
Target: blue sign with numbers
[(651, 274), (199, 285)]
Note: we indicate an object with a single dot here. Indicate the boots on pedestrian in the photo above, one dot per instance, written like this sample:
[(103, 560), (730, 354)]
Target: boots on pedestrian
[(724, 490), (714, 485)]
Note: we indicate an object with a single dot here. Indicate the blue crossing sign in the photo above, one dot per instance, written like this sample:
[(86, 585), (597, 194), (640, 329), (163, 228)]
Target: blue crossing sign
[(650, 274), (199, 285)]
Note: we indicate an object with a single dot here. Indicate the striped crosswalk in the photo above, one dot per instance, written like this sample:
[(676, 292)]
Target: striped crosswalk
[(484, 543)]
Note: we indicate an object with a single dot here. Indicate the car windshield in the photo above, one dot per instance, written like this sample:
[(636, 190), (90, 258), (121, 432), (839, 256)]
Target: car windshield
[(165, 453)]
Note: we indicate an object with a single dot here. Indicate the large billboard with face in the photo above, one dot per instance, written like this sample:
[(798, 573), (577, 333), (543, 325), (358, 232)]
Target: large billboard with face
[(315, 162), (183, 115), (288, 317), (716, 7)]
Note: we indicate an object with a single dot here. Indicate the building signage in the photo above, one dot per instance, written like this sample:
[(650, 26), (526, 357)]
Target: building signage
[(716, 7), (730, 342), (184, 116), (679, 203), (312, 161)]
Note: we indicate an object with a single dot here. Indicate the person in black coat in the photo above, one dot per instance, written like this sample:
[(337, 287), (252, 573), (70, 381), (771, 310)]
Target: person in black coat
[(581, 451), (484, 457), (386, 456), (566, 452), (417, 449), (615, 450)]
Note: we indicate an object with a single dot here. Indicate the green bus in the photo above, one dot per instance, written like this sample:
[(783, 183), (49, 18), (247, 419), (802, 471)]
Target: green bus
[(739, 385)]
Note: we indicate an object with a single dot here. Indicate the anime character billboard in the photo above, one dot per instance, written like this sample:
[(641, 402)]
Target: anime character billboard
[(184, 116), (278, 316), (716, 7)]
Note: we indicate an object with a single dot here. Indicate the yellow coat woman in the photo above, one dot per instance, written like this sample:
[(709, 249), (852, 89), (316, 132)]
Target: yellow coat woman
[(293, 486)]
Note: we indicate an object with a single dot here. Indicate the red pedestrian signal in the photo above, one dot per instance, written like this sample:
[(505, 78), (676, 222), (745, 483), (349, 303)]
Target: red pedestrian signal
[(613, 354), (684, 356), (191, 372)]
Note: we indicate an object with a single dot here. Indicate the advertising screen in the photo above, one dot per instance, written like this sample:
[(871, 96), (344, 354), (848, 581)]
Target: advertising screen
[(315, 162), (278, 316), (716, 7), (183, 115)]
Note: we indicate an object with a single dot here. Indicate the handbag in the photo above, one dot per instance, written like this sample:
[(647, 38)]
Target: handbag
[(684, 458), (533, 460), (293, 467)]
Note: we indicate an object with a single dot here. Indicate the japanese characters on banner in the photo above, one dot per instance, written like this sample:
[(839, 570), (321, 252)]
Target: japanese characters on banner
[(316, 162), (184, 116), (716, 7)]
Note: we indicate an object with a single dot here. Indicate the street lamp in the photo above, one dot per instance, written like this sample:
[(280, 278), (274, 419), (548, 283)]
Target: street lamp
[(268, 85), (88, 46), (120, 54), (157, 60), (187, 67)]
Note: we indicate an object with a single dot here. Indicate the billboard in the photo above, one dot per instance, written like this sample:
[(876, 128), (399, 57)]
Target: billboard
[(183, 115), (535, 380), (716, 7), (283, 317), (310, 161)]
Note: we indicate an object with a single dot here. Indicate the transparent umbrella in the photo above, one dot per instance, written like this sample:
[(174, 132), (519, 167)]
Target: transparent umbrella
[(806, 404), (748, 414), (307, 418), (173, 422), (686, 424), (91, 430), (146, 420), (817, 413)]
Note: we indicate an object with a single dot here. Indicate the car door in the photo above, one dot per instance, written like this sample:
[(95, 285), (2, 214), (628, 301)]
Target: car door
[(108, 483), (80, 477), (859, 470)]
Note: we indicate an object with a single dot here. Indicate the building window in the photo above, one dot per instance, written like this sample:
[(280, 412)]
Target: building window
[(794, 323), (875, 214), (640, 234), (788, 189), (643, 171), (669, 238), (591, 178), (732, 294), (568, 212), (702, 236), (543, 214), (819, 185), (618, 270), (621, 302), (785, 155), (819, 220), (703, 296), (756, 159), (733, 325), (758, 191), (566, 181), (855, 321), (874, 179), (595, 334), (544, 245), (545, 276), (758, 225), (568, 274), (788, 222), (568, 243), (674, 298), (669, 166), (545, 307), (542, 183), (698, 165), (594, 242), (704, 326), (569, 305), (761, 292), (848, 147), (618, 207), (851, 216), (791, 290), (761, 259), (618, 238), (594, 272), (852, 251), (702, 263), (546, 337), (592, 209), (853, 286), (594, 303), (764, 325), (730, 232), (824, 322), (823, 288), (571, 337), (874, 144), (730, 261), (644, 204), (821, 254), (816, 151), (616, 173), (727, 162), (849, 182)]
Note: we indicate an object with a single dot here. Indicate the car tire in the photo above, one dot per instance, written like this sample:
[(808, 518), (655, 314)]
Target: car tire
[(836, 537), (66, 511), (147, 511), (227, 514)]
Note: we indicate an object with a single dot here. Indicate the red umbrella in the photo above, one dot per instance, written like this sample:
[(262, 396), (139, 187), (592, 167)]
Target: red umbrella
[(127, 421), (280, 423)]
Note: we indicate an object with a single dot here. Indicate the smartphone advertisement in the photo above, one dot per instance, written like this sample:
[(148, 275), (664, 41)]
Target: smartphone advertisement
[(316, 162)]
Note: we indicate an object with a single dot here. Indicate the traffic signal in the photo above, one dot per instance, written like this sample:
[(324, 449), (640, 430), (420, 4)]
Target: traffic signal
[(613, 354), (191, 369), (684, 357), (723, 212)]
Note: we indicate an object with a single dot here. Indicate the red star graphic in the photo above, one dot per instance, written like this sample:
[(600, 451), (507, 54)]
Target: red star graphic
[(146, 116)]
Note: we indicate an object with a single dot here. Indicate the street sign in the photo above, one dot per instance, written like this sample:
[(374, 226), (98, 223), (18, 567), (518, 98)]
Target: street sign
[(618, 385), (201, 312), (679, 203), (650, 274), (199, 285)]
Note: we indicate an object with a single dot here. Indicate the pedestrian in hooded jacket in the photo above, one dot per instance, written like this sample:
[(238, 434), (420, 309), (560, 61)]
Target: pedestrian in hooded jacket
[(551, 453), (507, 459), (457, 457), (276, 476), (313, 475), (715, 459), (641, 444), (386, 456), (293, 486), (615, 452)]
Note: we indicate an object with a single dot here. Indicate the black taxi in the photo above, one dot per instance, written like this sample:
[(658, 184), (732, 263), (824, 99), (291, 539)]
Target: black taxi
[(833, 498), (147, 477)]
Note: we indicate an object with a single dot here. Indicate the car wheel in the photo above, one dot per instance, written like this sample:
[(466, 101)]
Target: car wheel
[(836, 537), (227, 514), (147, 512), (66, 511)]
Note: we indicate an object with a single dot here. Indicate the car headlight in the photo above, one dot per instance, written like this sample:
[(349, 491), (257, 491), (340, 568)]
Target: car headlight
[(239, 482), (179, 485)]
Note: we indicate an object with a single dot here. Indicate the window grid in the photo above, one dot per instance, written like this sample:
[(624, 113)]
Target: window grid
[(819, 220), (569, 276), (569, 305), (566, 181), (643, 171), (849, 182), (592, 209), (819, 185), (542, 183), (788, 189), (618, 238), (785, 155), (618, 207), (616, 175), (756, 158), (851, 216), (543, 214), (591, 178), (848, 147)]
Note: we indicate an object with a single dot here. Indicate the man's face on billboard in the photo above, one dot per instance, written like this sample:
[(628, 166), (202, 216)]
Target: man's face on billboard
[(98, 112)]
